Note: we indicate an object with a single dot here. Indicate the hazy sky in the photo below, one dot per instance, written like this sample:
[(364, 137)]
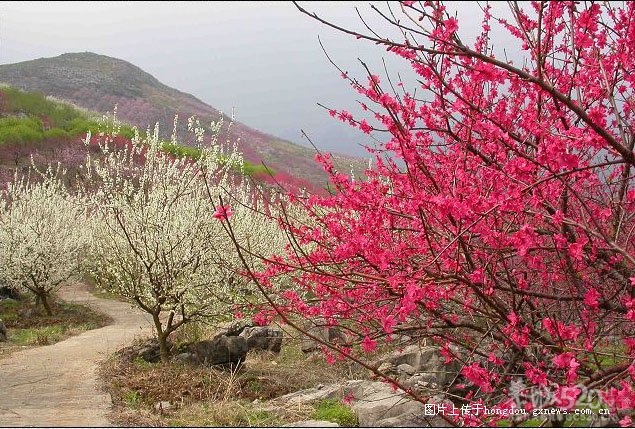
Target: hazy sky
[(261, 58)]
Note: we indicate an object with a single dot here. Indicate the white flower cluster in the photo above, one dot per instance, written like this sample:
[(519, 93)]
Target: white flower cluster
[(156, 241), (42, 236), (144, 227)]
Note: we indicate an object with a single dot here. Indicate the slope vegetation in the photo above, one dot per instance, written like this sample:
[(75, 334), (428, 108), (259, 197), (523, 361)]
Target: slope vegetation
[(98, 83)]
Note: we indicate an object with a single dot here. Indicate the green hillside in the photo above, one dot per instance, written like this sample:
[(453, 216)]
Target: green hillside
[(30, 117)]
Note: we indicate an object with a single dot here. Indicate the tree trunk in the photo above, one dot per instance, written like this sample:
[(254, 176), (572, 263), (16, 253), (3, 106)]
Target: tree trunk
[(43, 297), (162, 337)]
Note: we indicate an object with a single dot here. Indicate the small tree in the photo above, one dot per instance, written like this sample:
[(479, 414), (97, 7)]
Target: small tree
[(42, 236), (501, 228), (156, 239)]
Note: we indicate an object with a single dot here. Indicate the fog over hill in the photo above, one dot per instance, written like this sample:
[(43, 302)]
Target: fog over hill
[(98, 83)]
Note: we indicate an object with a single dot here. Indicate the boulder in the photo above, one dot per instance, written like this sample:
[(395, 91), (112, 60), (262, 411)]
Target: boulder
[(235, 327), (385, 404), (404, 368), (222, 350), (3, 331), (425, 362), (387, 368), (422, 382), (263, 338), (148, 350), (186, 358), (328, 334), (9, 293), (318, 393), (376, 404)]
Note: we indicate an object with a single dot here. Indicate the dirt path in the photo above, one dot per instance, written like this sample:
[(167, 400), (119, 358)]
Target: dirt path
[(56, 385)]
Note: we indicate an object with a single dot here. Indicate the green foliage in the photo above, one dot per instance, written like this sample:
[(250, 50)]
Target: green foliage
[(56, 133), (80, 125), (64, 121), (126, 131), (256, 169), (225, 414), (142, 363), (10, 311), (36, 105), (132, 398), (335, 411), (37, 118), (248, 169), (181, 151), (20, 130)]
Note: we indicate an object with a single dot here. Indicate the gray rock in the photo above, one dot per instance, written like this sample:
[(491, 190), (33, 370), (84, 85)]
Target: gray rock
[(406, 369), (3, 331), (384, 404), (327, 334), (221, 350), (425, 359), (422, 382), (186, 359), (235, 327), (148, 350), (403, 339), (263, 338), (376, 404), (151, 353), (387, 368), (9, 293), (330, 391), (312, 424)]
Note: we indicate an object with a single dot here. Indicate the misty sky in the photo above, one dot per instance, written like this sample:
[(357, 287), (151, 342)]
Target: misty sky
[(263, 59)]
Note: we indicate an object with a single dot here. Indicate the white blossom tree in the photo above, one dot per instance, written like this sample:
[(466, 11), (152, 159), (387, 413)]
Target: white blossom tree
[(157, 242), (42, 236)]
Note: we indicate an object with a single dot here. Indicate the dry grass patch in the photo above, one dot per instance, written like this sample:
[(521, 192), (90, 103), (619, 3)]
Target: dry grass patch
[(203, 396)]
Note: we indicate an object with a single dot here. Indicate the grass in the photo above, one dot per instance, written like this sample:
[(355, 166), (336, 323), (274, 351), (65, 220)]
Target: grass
[(335, 411), (28, 325), (41, 336), (202, 396), (37, 118), (132, 398)]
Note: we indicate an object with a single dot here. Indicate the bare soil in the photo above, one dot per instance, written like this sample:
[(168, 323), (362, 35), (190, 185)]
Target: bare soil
[(57, 385)]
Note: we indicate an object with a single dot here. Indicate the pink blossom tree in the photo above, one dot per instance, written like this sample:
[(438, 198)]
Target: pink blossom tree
[(501, 226)]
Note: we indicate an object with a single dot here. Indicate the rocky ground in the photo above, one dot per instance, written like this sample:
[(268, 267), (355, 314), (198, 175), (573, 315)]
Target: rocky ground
[(59, 385)]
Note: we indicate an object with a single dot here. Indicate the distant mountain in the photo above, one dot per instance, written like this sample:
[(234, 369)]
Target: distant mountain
[(98, 83)]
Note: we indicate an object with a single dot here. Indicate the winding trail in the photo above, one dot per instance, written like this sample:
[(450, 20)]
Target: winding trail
[(57, 385)]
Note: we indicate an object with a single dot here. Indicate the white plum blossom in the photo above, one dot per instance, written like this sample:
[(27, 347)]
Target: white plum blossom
[(156, 240), (43, 236)]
